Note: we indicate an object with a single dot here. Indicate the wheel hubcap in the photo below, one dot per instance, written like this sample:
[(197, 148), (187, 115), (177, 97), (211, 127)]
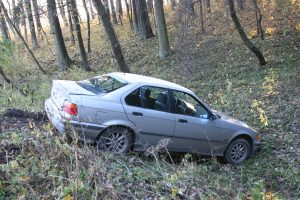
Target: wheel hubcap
[(238, 152), (116, 142)]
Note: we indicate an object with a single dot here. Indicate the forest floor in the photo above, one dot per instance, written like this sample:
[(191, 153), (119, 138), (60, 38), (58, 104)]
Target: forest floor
[(217, 66)]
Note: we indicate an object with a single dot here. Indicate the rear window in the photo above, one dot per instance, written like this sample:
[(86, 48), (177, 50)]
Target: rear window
[(101, 84)]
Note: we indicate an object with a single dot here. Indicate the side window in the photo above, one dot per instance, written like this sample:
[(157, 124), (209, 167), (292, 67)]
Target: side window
[(134, 98), (186, 104), (155, 98)]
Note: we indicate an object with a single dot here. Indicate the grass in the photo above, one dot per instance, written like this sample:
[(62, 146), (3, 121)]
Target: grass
[(218, 68)]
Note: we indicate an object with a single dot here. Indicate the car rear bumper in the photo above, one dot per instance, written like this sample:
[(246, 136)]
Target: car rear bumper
[(54, 115), (86, 131)]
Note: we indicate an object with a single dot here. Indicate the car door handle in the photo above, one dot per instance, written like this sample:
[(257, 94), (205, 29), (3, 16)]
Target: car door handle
[(137, 113), (183, 121)]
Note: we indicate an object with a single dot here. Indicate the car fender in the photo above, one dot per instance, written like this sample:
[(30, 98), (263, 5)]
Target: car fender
[(240, 133), (120, 122)]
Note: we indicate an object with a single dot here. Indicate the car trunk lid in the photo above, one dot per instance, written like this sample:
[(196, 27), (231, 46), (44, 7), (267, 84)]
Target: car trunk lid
[(63, 90)]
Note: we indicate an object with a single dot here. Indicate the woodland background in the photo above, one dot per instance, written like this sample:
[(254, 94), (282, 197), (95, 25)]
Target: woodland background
[(209, 46)]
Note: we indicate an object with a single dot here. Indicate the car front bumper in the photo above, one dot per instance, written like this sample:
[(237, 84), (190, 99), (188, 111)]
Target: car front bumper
[(257, 145)]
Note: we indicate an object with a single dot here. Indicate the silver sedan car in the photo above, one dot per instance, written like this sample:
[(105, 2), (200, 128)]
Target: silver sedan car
[(121, 112)]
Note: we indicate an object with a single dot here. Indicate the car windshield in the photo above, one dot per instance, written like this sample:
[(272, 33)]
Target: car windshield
[(101, 84)]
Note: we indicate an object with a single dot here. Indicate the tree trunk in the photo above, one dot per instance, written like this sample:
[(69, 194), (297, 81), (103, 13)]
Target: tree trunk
[(16, 15), (63, 59), (190, 8), (20, 36), (164, 48), (37, 16), (106, 6), (244, 37), (172, 4), (70, 22), (208, 7), (3, 26), (258, 17), (241, 4), (201, 16), (34, 41), (113, 12), (129, 15), (144, 25), (75, 15), (150, 6), (61, 6), (91, 10), (88, 26), (23, 18), (119, 11), (135, 16), (3, 75), (112, 37)]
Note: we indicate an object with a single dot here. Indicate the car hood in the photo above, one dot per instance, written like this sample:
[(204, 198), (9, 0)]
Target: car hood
[(232, 120)]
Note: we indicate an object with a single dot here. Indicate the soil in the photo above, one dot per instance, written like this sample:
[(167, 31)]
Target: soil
[(16, 119)]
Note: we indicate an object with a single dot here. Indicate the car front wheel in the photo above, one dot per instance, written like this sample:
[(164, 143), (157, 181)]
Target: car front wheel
[(237, 152), (115, 139)]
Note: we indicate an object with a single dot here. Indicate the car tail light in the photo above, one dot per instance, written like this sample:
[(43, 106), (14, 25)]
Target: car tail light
[(70, 108)]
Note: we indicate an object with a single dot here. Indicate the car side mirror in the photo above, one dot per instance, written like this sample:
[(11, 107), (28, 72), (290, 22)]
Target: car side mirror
[(213, 116)]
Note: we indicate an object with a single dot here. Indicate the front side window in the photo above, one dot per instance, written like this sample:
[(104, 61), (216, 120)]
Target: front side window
[(149, 97), (101, 84), (186, 104)]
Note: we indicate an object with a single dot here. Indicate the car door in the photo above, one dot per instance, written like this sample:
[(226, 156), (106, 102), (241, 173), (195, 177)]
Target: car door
[(148, 107), (192, 122)]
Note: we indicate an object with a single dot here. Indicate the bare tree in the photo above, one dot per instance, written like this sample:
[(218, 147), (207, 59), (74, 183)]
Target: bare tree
[(258, 17), (70, 22), (144, 25), (240, 4), (63, 59), (23, 17), (244, 37), (150, 6), (119, 11), (16, 14), (208, 7), (92, 10), (173, 3), (34, 41), (134, 16), (61, 7), (88, 26), (106, 6), (129, 14), (37, 16), (201, 16), (75, 15), (3, 26), (164, 47), (113, 12), (112, 37)]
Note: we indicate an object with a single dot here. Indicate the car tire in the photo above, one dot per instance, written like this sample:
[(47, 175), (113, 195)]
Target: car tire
[(237, 151), (115, 139)]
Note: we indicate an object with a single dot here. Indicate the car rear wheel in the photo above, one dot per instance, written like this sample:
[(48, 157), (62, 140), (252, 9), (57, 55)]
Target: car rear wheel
[(237, 152), (115, 139)]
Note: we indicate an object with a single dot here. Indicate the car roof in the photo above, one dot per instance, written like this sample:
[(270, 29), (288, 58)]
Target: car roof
[(135, 78)]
